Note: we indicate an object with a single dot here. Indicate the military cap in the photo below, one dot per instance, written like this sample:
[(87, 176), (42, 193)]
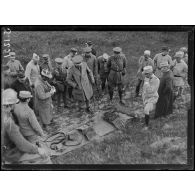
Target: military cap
[(45, 55), (73, 49), (77, 59), (117, 49), (179, 54), (165, 48), (59, 60), (148, 69), (46, 73), (25, 94), (87, 49), (12, 53), (105, 56), (89, 43), (147, 52)]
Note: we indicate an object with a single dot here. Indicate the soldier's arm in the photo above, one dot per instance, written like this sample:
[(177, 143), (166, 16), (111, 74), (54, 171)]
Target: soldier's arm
[(95, 65), (20, 66), (155, 62), (90, 73), (27, 73), (41, 94), (34, 123), (69, 78), (109, 64)]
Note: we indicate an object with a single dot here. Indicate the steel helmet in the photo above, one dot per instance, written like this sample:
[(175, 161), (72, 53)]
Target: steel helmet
[(9, 97)]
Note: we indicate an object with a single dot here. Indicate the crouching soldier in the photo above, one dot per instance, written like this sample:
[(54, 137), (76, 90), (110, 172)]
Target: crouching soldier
[(164, 105), (103, 69), (43, 93), (117, 69), (78, 77), (29, 126), (150, 93), (15, 148), (144, 60), (59, 76)]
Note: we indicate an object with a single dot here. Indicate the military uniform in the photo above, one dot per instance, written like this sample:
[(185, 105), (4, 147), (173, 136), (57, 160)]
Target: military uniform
[(59, 76), (102, 70), (116, 68), (158, 59)]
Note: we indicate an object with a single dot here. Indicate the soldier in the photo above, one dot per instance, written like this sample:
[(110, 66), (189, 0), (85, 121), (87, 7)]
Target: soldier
[(67, 64), (78, 77), (33, 70), (43, 93), (46, 64), (103, 69), (180, 71), (22, 84), (159, 58), (29, 126), (90, 44), (7, 81), (150, 93), (164, 105), (144, 60), (14, 66), (185, 56), (59, 76), (116, 69), (14, 145)]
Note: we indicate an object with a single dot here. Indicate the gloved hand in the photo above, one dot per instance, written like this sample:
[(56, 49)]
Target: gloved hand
[(42, 152)]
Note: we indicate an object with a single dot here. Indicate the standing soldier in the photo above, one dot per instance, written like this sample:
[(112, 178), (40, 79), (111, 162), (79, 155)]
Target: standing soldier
[(144, 60), (59, 76), (33, 70), (103, 69), (150, 93), (164, 105), (7, 81), (67, 64), (14, 66), (90, 44), (46, 64), (43, 93), (159, 58), (78, 77), (185, 56), (180, 71), (116, 69), (22, 84)]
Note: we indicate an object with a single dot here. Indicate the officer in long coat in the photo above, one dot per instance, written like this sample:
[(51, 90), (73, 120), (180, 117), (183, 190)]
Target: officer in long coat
[(117, 69), (80, 77), (164, 105), (43, 100)]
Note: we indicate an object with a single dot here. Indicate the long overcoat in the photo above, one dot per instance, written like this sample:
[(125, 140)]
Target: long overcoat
[(43, 100), (164, 105), (80, 78)]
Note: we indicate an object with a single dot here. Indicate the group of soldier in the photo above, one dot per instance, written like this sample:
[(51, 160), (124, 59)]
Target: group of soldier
[(28, 94)]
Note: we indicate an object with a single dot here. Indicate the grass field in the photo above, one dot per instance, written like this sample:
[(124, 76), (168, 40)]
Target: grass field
[(160, 145)]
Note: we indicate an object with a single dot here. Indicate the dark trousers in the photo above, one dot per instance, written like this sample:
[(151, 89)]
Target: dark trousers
[(111, 90), (61, 94), (138, 86), (104, 79), (70, 88)]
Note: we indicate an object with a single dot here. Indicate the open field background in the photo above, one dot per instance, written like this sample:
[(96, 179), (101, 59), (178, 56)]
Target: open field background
[(131, 146)]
